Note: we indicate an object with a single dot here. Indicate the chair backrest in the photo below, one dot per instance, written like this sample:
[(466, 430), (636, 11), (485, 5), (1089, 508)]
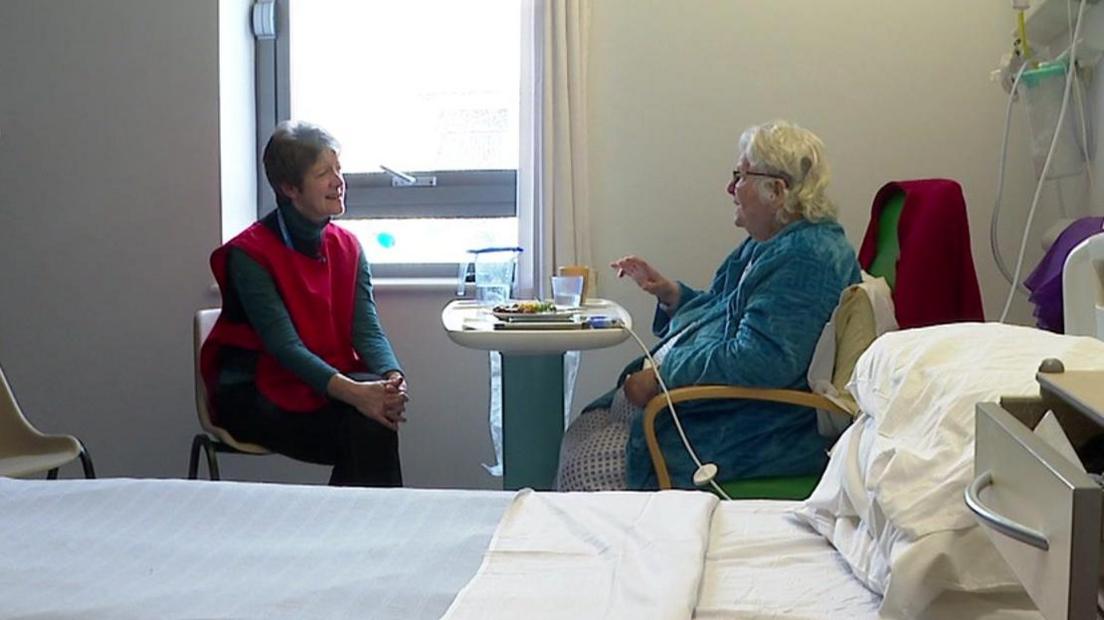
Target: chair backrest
[(204, 322), (24, 451), (865, 311), (888, 244), (15, 430), (1083, 289)]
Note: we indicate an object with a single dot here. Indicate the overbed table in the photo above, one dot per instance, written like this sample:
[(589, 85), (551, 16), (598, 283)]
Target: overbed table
[(532, 382)]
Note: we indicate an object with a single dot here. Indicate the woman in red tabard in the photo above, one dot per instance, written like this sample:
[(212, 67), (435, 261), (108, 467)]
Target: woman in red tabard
[(298, 362)]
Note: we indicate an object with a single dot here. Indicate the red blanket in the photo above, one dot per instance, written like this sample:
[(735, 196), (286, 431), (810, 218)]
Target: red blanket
[(936, 281)]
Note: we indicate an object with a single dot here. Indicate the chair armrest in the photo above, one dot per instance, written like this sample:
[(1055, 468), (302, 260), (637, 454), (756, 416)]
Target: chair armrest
[(658, 404)]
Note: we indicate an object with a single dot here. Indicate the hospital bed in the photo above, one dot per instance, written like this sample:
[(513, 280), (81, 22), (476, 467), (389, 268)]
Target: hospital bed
[(177, 548), (1038, 505), (188, 549)]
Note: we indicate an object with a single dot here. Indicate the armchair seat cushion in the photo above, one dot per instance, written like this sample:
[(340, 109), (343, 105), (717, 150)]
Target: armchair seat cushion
[(791, 487)]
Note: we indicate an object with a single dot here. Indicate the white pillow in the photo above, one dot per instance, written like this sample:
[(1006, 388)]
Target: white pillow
[(891, 500)]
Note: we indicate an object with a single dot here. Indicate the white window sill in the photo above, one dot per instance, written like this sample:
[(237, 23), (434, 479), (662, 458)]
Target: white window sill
[(414, 284), (396, 284)]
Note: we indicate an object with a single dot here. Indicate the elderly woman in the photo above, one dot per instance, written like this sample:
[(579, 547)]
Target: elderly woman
[(298, 332), (756, 325)]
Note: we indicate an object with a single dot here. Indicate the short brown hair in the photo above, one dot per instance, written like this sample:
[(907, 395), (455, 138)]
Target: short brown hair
[(291, 151)]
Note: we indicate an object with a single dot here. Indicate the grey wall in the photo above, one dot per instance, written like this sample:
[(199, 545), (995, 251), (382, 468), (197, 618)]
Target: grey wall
[(110, 201), (109, 170)]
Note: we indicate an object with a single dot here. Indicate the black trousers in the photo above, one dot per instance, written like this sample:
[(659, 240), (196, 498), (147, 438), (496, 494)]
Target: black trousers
[(362, 451)]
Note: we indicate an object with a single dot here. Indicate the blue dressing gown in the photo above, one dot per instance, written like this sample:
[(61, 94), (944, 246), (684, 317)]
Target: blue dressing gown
[(757, 326)]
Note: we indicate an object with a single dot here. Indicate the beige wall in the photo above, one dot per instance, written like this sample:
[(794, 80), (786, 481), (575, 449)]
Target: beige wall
[(109, 160), (897, 90)]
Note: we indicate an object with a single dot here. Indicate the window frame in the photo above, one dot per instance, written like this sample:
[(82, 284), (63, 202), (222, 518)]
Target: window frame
[(455, 193)]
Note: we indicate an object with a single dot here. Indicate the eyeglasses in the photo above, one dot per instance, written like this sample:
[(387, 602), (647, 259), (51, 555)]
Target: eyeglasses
[(737, 175)]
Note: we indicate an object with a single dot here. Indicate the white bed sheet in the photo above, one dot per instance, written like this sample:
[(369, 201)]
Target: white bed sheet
[(613, 555), (176, 549), (197, 549), (763, 562)]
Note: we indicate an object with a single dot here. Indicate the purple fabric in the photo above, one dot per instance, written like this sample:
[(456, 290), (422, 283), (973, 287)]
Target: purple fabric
[(1045, 282)]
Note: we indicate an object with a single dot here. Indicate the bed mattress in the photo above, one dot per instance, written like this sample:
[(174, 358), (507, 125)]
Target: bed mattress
[(185, 549), (198, 549)]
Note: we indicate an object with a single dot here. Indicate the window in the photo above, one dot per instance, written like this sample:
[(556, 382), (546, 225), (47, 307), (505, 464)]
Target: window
[(425, 87)]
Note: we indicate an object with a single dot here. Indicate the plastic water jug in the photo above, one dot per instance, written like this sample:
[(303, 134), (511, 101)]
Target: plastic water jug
[(1043, 89), (494, 269)]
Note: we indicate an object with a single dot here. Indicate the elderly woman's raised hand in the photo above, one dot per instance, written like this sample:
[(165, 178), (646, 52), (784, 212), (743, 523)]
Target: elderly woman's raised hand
[(648, 279)]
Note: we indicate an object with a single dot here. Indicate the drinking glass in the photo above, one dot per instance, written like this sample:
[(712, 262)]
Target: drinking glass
[(567, 290)]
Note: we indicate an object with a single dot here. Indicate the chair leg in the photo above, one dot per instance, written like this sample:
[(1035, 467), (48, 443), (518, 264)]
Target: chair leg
[(212, 460), (86, 462), (203, 442), (193, 459)]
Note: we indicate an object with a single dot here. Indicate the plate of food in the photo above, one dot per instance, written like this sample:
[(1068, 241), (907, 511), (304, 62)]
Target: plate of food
[(536, 311)]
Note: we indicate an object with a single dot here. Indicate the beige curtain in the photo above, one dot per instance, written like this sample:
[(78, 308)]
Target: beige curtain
[(553, 192)]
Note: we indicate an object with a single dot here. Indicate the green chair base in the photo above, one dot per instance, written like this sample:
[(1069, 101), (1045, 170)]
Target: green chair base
[(785, 487)]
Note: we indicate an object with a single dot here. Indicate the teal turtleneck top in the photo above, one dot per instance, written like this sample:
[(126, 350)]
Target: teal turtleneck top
[(268, 315)]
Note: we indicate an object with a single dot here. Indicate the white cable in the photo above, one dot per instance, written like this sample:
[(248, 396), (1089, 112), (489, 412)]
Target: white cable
[(1046, 165), (674, 415), (1080, 102), (1080, 94), (995, 219)]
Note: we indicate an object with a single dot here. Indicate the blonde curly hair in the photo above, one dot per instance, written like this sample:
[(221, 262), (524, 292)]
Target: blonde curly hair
[(797, 155)]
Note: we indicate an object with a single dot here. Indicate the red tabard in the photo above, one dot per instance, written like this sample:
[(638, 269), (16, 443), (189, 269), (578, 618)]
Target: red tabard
[(318, 294)]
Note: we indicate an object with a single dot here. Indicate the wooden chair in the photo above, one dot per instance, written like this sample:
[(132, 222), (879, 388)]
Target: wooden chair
[(213, 439), (855, 330), (24, 451), (918, 241)]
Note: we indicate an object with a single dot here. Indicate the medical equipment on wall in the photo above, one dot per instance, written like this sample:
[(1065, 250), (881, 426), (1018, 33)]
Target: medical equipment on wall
[(1045, 88)]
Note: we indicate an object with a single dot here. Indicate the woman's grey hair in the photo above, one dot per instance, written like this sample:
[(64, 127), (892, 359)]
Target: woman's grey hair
[(797, 155), (293, 148)]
